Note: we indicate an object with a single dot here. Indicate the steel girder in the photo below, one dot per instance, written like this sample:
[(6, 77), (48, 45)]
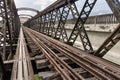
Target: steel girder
[(26, 15), (46, 23), (40, 23), (11, 26), (29, 9), (52, 23), (61, 32), (36, 25), (6, 19), (115, 7), (56, 15), (56, 5), (79, 26), (16, 21), (49, 22), (112, 40), (74, 11), (9, 31), (43, 23)]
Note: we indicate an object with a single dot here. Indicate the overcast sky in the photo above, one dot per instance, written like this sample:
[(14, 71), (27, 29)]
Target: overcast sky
[(100, 8)]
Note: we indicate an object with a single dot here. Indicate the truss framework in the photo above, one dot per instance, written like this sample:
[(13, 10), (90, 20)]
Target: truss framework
[(61, 12)]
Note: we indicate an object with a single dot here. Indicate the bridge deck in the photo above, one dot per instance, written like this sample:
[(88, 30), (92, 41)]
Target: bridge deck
[(22, 68), (96, 67), (43, 47)]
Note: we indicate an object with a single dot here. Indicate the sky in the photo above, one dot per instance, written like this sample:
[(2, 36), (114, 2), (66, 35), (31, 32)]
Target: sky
[(101, 6), (36, 4)]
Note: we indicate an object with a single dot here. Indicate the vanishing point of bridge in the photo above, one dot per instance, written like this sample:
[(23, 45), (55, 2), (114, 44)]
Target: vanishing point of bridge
[(41, 49)]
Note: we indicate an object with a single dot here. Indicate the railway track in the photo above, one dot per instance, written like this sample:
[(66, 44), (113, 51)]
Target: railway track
[(99, 68), (64, 70)]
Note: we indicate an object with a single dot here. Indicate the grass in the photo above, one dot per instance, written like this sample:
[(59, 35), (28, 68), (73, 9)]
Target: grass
[(36, 77)]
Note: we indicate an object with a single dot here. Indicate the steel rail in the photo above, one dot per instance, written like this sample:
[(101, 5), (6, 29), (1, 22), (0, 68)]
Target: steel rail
[(67, 68), (92, 62), (63, 74), (27, 62), (83, 65), (72, 72), (102, 65)]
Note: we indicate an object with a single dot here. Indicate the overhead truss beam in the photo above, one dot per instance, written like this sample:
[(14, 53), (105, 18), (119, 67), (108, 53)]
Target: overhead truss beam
[(29, 9)]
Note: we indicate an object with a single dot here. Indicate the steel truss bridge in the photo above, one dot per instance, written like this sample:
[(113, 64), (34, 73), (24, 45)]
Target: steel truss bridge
[(40, 46)]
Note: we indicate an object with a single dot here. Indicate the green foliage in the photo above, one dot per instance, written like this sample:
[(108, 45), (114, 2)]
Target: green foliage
[(36, 77)]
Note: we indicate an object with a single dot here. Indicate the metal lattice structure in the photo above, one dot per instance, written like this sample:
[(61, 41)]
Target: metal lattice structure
[(59, 31), (46, 34), (9, 31), (79, 26), (11, 25)]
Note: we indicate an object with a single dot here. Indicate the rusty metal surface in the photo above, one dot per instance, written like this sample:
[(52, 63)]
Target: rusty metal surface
[(64, 70), (51, 22), (100, 68)]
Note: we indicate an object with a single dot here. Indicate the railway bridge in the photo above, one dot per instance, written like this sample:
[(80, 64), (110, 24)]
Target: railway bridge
[(40, 48)]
